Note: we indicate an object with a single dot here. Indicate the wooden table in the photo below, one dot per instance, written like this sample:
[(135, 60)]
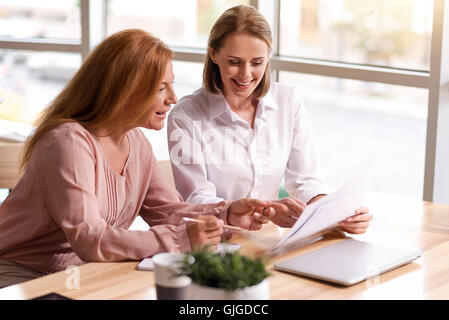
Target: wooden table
[(9, 163), (10, 151), (397, 222)]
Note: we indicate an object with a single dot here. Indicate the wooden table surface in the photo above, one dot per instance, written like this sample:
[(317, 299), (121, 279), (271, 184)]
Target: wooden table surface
[(397, 222), (9, 163)]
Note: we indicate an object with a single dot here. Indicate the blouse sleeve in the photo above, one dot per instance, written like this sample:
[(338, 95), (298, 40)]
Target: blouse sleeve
[(302, 175), (68, 169), (163, 205), (188, 163)]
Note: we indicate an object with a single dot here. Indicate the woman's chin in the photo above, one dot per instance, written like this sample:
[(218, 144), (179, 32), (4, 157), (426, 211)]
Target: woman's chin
[(156, 126)]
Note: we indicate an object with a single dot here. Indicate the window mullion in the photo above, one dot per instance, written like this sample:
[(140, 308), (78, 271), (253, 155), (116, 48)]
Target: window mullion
[(41, 45), (92, 24), (276, 36), (436, 176)]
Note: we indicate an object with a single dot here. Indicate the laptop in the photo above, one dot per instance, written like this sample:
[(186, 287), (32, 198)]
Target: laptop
[(348, 262)]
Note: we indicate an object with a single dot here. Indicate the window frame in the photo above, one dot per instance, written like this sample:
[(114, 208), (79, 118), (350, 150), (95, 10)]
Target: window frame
[(436, 171)]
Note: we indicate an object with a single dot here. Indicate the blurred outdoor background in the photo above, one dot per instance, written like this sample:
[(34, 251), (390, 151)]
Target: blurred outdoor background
[(353, 120)]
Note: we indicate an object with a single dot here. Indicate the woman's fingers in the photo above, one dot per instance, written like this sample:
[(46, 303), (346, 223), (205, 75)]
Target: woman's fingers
[(269, 212), (362, 210), (288, 221), (360, 217), (211, 227), (353, 230), (278, 206), (358, 228), (355, 224), (210, 223), (296, 207), (255, 226), (208, 232), (254, 203), (360, 220), (260, 218), (213, 241), (214, 233), (302, 204)]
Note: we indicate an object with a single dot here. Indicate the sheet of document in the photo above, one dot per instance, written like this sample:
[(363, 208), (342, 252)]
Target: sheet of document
[(325, 213)]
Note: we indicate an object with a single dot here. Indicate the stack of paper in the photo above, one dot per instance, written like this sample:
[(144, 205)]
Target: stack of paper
[(325, 213)]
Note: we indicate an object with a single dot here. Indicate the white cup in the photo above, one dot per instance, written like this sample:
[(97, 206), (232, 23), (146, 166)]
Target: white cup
[(169, 286), (225, 247)]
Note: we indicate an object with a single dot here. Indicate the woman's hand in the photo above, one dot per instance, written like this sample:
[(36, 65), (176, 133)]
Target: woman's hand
[(207, 233), (250, 213), (358, 223), (286, 215), (288, 210)]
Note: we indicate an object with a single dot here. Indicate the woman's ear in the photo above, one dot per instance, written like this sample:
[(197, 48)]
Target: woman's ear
[(213, 55)]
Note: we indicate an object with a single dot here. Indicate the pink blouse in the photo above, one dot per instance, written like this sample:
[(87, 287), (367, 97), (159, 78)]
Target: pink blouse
[(70, 206)]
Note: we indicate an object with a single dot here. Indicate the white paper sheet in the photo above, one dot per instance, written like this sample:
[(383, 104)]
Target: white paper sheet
[(325, 213)]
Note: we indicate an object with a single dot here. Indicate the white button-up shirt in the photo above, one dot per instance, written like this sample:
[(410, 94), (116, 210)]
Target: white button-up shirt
[(216, 155)]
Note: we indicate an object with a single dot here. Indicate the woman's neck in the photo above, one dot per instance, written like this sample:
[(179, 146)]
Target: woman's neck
[(115, 148), (238, 103), (244, 107), (116, 138)]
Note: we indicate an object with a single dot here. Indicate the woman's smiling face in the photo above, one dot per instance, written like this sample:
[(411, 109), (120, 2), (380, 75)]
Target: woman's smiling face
[(161, 103), (242, 61)]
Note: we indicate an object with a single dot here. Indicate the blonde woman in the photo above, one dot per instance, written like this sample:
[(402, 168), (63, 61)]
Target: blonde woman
[(240, 134), (89, 171)]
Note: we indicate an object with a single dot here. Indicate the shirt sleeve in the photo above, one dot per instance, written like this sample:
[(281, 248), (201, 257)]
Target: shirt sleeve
[(68, 168), (187, 160), (163, 207), (302, 176)]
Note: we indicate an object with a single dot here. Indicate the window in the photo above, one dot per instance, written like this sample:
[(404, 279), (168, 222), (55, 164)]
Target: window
[(40, 19), (318, 46), (374, 32), (188, 77), (31, 80), (178, 23), (355, 121)]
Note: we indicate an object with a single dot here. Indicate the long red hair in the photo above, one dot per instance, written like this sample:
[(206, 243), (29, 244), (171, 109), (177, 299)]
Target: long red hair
[(111, 90)]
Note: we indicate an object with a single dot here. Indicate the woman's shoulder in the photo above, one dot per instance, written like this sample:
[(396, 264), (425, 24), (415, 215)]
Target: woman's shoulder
[(285, 94), (69, 127), (65, 140), (194, 104), (283, 90), (140, 138), (67, 132), (137, 137)]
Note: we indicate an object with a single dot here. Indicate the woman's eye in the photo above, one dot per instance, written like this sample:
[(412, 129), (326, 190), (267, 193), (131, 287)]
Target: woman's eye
[(162, 89), (256, 63), (234, 62)]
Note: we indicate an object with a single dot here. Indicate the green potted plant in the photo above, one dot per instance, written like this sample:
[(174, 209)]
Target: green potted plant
[(225, 276)]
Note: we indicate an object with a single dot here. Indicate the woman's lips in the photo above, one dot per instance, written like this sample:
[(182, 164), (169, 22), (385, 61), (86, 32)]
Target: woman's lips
[(161, 114), (242, 85)]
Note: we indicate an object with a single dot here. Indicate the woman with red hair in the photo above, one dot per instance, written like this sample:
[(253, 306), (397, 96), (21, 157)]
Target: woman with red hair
[(88, 172)]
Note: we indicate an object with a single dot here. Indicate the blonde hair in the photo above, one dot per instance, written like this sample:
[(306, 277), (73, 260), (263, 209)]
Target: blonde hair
[(236, 20), (112, 88)]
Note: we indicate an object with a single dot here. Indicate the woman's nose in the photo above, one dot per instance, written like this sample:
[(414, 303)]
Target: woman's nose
[(172, 99), (245, 71)]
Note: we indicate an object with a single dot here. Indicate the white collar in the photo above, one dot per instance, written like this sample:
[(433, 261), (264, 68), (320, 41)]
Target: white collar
[(217, 104)]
